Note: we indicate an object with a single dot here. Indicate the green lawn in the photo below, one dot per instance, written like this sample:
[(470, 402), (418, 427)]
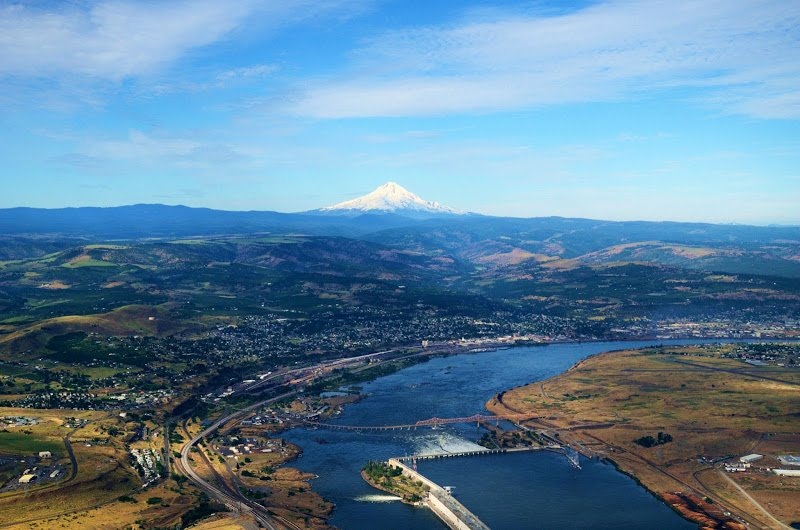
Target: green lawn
[(20, 443)]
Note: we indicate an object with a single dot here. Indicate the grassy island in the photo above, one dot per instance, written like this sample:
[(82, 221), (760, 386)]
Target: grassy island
[(391, 479)]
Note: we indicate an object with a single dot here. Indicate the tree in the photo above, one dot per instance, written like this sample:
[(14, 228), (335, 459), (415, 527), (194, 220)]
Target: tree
[(646, 441)]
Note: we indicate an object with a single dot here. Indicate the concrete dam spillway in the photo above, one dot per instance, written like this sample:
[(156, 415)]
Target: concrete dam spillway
[(454, 514)]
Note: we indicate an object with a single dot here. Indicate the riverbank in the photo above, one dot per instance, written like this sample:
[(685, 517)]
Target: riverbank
[(442, 386), (447, 387), (622, 405)]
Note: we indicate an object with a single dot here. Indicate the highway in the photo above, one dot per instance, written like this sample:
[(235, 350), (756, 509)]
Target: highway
[(235, 502), (307, 370), (234, 499), (167, 452), (72, 459)]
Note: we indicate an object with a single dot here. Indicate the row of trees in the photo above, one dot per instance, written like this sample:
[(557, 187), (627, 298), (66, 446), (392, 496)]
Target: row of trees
[(649, 441)]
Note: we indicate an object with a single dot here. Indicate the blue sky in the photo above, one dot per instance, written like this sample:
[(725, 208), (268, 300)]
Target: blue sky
[(655, 110)]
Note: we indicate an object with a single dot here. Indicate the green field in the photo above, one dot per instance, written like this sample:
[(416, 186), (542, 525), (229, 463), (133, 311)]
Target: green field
[(105, 247), (19, 443), (88, 263)]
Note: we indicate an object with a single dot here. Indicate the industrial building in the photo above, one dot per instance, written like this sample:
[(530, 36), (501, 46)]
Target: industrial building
[(787, 472), (789, 460), (749, 459)]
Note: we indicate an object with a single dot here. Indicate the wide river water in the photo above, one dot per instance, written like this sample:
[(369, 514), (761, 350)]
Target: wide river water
[(508, 491)]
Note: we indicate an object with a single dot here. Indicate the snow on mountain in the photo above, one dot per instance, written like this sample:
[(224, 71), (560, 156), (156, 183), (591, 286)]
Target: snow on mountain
[(390, 198)]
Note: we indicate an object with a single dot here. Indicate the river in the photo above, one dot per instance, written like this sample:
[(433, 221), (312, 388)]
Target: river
[(511, 491)]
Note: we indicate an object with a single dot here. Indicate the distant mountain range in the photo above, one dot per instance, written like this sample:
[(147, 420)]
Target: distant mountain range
[(389, 206), (158, 221), (394, 217)]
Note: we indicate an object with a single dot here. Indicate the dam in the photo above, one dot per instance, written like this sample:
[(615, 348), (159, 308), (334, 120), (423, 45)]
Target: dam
[(478, 452), (537, 486), (454, 514)]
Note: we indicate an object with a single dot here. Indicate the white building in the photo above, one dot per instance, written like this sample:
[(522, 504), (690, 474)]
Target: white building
[(787, 472), (749, 459), (45, 454), (737, 469)]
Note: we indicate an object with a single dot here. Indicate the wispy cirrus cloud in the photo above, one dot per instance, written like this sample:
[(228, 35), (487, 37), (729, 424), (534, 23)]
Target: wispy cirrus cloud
[(110, 40), (70, 56), (741, 56), (416, 134), (117, 39), (196, 153), (148, 152)]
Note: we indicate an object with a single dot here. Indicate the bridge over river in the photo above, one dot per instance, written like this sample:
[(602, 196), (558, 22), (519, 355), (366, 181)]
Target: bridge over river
[(553, 444), (431, 422), (455, 515)]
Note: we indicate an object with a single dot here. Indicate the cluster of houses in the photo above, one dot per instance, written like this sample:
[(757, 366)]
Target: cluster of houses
[(234, 447), (147, 461), (18, 421), (265, 418), (75, 423)]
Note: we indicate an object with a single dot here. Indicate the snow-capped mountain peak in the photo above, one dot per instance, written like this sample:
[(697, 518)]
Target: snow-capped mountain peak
[(391, 197)]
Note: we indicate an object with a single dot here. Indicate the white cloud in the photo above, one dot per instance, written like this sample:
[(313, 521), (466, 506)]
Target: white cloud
[(139, 151), (247, 72), (197, 153), (741, 55), (114, 40), (402, 136), (142, 147), (110, 40)]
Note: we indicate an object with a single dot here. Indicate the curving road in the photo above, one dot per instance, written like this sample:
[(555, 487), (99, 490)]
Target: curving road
[(71, 453), (235, 502), (234, 499)]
